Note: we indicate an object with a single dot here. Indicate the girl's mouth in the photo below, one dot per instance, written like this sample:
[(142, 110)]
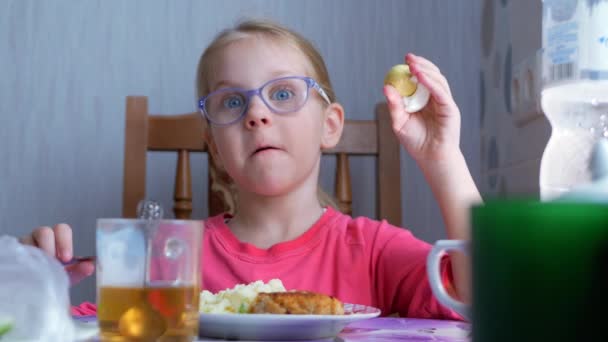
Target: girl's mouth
[(263, 149)]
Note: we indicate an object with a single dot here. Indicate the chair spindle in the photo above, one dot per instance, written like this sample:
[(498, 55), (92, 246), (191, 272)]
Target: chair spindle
[(343, 185), (183, 186)]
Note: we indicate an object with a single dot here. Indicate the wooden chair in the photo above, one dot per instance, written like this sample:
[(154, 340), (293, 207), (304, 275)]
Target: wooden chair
[(182, 134)]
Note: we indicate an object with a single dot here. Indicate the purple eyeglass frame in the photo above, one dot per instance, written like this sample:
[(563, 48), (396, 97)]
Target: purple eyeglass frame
[(310, 82)]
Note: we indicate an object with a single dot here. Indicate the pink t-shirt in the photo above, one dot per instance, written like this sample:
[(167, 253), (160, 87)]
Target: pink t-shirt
[(357, 260)]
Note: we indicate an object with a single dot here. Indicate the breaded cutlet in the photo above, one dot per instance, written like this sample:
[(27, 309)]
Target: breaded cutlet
[(296, 303)]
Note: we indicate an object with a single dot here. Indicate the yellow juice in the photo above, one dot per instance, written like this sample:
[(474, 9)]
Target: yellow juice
[(155, 313)]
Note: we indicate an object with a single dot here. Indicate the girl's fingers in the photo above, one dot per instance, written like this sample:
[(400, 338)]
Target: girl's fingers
[(44, 239), (438, 92), (79, 271), (415, 59), (27, 240), (395, 107), (439, 81), (432, 74), (63, 241)]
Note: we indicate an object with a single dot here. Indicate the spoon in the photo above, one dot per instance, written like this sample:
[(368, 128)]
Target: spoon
[(142, 321), (146, 209), (76, 260)]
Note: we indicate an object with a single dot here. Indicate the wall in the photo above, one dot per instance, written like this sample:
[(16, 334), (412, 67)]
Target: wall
[(67, 66), (512, 137)]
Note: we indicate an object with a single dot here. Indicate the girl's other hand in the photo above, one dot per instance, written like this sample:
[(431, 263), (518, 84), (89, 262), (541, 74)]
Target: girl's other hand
[(432, 134), (57, 242)]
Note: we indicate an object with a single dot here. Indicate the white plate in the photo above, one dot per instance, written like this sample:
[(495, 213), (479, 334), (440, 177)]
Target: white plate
[(270, 327)]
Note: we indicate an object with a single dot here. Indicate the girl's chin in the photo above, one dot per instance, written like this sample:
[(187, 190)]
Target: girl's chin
[(270, 188), (270, 191)]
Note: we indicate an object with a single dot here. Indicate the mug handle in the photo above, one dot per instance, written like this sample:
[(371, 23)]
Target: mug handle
[(440, 248)]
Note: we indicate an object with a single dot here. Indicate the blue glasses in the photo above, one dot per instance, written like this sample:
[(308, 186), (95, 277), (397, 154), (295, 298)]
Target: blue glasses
[(281, 95)]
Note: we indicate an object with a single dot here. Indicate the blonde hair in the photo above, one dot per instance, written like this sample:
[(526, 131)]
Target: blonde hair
[(220, 180)]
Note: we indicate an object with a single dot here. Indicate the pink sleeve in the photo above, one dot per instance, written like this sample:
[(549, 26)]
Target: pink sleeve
[(84, 309), (402, 283)]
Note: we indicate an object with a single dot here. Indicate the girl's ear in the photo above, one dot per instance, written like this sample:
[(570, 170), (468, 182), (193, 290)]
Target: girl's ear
[(332, 126)]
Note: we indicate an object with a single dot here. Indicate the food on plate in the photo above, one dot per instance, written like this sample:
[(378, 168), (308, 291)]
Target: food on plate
[(296, 303), (6, 324), (399, 76), (237, 299), (415, 95), (271, 298)]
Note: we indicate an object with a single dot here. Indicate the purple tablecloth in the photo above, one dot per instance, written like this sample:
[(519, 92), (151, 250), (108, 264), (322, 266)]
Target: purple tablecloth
[(406, 329), (392, 329)]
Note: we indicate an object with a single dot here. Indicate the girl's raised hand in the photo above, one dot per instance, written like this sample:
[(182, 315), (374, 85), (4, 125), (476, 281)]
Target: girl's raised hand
[(57, 242), (433, 133)]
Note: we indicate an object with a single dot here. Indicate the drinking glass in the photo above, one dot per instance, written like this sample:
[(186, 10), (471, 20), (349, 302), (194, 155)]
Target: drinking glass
[(148, 279)]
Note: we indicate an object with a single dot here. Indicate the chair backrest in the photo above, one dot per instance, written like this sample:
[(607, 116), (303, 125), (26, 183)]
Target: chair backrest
[(182, 134)]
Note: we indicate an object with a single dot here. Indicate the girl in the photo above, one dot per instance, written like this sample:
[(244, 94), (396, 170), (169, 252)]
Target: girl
[(266, 96)]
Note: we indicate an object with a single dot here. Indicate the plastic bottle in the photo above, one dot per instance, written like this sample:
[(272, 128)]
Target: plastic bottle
[(597, 190), (575, 90)]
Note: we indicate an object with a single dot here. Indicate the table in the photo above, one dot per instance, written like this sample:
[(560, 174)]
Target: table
[(406, 329), (391, 329)]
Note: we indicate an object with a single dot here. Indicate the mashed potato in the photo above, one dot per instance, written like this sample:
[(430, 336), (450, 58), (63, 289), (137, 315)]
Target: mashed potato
[(237, 299)]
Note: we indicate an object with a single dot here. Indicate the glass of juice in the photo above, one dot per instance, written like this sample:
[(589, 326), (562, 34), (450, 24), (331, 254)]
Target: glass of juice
[(148, 279)]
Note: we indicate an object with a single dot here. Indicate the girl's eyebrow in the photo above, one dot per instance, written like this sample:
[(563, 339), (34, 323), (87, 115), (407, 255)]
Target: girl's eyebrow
[(223, 84), (273, 75)]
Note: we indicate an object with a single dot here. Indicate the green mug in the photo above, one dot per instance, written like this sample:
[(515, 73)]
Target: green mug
[(540, 271)]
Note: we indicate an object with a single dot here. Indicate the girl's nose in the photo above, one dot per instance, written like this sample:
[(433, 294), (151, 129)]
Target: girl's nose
[(258, 115)]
